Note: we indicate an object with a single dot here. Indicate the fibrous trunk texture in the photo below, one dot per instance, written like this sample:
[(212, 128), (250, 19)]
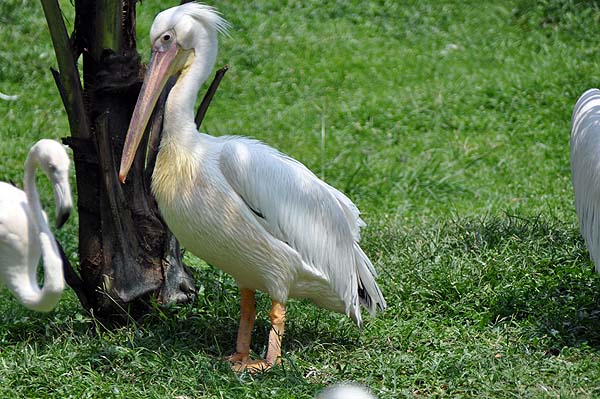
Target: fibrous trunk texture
[(126, 252)]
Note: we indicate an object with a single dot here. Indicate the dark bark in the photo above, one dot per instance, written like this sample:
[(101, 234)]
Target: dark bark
[(127, 254)]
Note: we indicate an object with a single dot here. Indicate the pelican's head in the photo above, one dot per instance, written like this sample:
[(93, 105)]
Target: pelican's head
[(54, 162), (180, 36)]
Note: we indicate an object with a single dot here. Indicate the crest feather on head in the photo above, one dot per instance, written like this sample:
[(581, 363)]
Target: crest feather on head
[(202, 13)]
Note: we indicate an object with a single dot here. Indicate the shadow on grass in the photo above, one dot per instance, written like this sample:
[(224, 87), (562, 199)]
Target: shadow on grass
[(547, 281), (531, 270), (207, 327)]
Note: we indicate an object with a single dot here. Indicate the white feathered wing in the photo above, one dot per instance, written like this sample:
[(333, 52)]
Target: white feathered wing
[(313, 218)]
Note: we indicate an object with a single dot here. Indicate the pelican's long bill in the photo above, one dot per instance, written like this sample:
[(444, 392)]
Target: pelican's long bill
[(159, 71)]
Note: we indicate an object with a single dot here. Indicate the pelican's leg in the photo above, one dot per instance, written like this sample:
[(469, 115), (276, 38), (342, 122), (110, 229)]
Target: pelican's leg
[(277, 316), (247, 316)]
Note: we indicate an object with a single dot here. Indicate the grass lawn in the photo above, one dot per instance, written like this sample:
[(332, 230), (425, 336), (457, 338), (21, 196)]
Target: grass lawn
[(447, 122)]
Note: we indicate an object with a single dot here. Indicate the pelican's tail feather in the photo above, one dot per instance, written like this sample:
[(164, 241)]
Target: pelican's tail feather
[(369, 294)]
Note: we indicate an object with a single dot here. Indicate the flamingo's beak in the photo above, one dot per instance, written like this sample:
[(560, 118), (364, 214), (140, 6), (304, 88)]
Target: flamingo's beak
[(64, 202), (161, 67), (62, 217)]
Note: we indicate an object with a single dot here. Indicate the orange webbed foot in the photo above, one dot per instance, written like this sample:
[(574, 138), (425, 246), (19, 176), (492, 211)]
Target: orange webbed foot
[(252, 366), (238, 358)]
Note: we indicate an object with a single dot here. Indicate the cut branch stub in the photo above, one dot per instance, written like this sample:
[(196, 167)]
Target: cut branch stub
[(74, 281), (210, 93)]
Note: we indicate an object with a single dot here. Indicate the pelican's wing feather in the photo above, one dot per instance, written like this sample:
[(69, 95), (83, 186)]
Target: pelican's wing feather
[(313, 218), (585, 169)]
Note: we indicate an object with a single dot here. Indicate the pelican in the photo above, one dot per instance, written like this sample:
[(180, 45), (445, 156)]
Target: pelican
[(585, 169), (24, 231), (242, 206)]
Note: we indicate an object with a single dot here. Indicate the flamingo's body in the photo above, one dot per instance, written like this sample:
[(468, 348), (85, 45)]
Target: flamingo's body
[(24, 232), (240, 205)]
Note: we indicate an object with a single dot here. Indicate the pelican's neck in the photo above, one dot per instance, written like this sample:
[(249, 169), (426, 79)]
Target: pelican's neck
[(179, 108), (181, 146), (29, 292)]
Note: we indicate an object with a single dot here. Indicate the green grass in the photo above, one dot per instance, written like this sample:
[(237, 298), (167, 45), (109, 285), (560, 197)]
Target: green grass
[(447, 122)]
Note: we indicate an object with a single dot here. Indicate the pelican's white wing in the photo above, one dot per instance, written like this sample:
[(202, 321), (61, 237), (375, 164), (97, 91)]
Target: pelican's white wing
[(313, 218), (585, 169)]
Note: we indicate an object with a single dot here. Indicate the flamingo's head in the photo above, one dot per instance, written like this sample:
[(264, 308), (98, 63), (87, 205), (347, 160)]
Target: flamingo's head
[(54, 162)]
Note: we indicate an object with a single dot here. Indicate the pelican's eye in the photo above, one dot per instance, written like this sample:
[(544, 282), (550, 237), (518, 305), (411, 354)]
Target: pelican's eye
[(164, 41)]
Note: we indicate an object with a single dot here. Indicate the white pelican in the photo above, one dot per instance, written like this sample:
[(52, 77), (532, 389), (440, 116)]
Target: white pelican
[(585, 169), (24, 231), (240, 205)]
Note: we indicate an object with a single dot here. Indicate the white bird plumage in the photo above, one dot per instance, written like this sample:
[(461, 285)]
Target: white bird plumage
[(345, 391), (585, 169), (24, 231), (240, 205)]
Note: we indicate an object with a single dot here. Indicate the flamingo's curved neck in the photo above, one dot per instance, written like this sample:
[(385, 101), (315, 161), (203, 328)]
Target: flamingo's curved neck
[(28, 290)]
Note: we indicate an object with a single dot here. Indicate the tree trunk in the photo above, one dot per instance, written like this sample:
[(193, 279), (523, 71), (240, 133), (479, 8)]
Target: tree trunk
[(126, 252)]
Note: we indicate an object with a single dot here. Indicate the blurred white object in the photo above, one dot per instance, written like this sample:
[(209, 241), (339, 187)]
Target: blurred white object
[(7, 97), (449, 48), (345, 391)]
